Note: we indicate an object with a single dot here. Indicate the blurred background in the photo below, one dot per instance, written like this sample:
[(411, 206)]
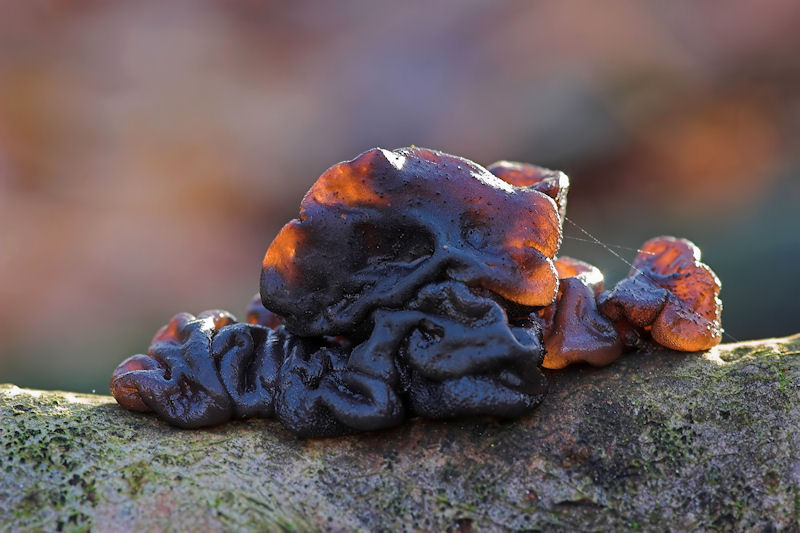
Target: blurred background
[(149, 151)]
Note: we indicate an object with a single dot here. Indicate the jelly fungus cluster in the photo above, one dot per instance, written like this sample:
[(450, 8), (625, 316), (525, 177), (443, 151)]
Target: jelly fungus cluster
[(417, 283)]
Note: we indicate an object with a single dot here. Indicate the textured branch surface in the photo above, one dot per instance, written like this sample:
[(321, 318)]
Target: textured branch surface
[(652, 442)]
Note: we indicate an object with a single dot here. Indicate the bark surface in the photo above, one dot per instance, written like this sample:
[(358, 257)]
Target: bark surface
[(658, 441)]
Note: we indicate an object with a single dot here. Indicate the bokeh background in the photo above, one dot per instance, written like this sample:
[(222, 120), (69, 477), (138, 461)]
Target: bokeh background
[(149, 151)]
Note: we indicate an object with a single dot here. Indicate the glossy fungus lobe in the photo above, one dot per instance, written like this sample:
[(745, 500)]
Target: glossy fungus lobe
[(373, 230), (553, 183), (671, 294), (447, 344), (574, 330), (177, 378), (590, 275), (125, 391), (569, 267), (580, 334)]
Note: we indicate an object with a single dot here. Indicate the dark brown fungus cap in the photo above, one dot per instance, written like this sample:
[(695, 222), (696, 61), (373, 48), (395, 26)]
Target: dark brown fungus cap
[(373, 230), (553, 183), (575, 331), (671, 294)]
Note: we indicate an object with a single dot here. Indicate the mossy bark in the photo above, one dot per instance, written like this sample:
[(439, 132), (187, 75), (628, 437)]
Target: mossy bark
[(660, 441)]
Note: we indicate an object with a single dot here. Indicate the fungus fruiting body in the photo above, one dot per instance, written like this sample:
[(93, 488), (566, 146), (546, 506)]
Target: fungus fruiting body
[(671, 294), (574, 330), (373, 230), (415, 283)]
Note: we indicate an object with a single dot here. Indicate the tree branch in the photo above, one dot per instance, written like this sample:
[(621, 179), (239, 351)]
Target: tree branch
[(654, 441)]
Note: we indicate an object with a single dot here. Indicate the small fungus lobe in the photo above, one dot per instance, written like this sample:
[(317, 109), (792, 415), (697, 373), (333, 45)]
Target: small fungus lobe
[(574, 330), (669, 293), (553, 183)]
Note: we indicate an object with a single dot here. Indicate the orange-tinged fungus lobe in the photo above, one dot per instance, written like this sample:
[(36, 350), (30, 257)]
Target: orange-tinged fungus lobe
[(127, 394), (590, 275), (553, 183), (671, 293), (574, 330), (152, 371), (373, 230)]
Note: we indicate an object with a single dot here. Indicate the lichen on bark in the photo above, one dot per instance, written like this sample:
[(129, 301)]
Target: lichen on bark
[(655, 441)]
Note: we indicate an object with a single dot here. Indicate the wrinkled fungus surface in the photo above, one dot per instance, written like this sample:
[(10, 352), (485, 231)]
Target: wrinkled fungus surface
[(373, 230), (448, 352), (670, 294), (414, 283)]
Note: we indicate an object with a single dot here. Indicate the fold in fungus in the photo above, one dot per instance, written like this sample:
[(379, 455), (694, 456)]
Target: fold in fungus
[(415, 283), (669, 293), (373, 230), (447, 344), (176, 378), (574, 330)]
